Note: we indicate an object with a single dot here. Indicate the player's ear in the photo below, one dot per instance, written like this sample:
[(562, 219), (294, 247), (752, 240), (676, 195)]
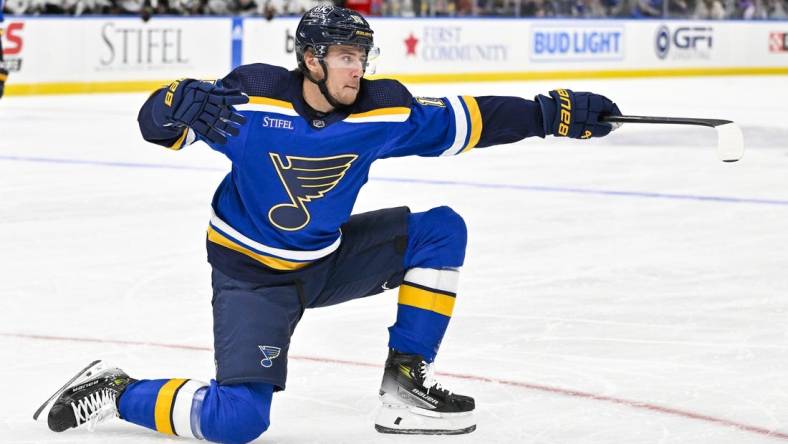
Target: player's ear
[(313, 64)]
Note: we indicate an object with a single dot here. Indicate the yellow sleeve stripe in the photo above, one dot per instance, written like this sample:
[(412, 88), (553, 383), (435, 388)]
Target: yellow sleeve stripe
[(269, 261), (476, 122), (164, 404), (3, 77), (396, 110), (257, 100), (426, 300), (179, 143)]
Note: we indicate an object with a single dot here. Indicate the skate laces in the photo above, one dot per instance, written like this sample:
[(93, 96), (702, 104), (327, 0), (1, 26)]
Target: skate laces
[(94, 408), (427, 372)]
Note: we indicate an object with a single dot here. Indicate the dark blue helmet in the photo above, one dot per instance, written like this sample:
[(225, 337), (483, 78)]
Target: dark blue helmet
[(326, 25)]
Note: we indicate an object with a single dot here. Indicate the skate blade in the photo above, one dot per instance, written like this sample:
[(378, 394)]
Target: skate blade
[(408, 421), (382, 429), (83, 374)]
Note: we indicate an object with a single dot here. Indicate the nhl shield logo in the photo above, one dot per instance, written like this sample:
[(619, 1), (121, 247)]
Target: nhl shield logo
[(269, 354)]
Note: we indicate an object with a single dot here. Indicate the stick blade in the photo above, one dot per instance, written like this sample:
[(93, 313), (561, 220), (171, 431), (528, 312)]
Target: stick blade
[(730, 142)]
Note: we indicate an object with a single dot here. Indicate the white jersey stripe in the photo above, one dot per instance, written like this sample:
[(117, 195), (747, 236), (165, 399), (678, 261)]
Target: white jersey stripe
[(461, 125), (294, 255), (265, 108), (382, 118)]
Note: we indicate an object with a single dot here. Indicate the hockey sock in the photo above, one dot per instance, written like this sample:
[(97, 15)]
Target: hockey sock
[(426, 302), (435, 252), (229, 414), (164, 405)]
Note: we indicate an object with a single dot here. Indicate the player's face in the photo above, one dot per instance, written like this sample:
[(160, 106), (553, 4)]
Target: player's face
[(345, 66)]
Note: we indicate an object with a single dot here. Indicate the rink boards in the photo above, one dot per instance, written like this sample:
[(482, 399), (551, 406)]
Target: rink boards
[(108, 54)]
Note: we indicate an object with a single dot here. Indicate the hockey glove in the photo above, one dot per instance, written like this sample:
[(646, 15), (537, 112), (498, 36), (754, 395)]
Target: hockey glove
[(203, 107), (576, 114), (3, 77)]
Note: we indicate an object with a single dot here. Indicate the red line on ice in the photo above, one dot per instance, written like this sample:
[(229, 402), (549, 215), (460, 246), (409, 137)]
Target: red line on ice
[(525, 385)]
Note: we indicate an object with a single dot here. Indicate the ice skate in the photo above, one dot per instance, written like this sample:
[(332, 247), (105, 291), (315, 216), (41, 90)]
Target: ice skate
[(415, 403), (88, 398)]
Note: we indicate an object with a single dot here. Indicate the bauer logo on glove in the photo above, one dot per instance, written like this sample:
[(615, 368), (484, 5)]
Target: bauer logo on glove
[(171, 92), (576, 114)]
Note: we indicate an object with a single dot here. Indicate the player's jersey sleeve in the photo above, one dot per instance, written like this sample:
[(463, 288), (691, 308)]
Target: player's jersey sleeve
[(456, 124)]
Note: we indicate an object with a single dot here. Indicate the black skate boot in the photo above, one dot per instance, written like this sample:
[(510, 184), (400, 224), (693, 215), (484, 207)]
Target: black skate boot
[(414, 403), (88, 398)]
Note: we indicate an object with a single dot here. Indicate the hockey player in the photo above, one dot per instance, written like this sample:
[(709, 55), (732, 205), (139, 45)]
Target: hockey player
[(3, 70), (281, 238)]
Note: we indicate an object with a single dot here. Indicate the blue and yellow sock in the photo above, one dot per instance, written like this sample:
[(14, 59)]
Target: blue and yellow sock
[(236, 413), (164, 405), (426, 302)]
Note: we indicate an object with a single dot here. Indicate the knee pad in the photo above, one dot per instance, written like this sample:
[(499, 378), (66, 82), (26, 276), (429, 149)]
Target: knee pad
[(436, 239), (236, 413)]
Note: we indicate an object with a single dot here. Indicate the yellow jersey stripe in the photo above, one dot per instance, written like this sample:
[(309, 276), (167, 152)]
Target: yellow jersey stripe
[(3, 77), (179, 143), (257, 100), (164, 403), (426, 300), (476, 122), (269, 261), (396, 110)]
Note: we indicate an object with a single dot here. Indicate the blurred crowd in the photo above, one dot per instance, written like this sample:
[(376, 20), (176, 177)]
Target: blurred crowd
[(695, 9)]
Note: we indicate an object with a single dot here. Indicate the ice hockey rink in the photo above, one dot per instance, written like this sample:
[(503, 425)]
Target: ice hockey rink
[(631, 289)]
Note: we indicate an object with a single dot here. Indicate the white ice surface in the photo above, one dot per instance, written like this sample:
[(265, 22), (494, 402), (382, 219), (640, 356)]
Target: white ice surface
[(632, 289)]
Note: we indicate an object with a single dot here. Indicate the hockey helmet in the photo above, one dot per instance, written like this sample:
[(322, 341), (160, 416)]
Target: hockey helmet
[(326, 25)]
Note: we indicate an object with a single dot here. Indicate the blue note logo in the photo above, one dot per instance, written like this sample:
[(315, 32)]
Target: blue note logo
[(305, 179), (269, 354)]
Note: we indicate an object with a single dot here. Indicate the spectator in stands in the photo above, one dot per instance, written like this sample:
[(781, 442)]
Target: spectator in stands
[(539, 8), (709, 9), (678, 8), (247, 7), (696, 9), (776, 9), (588, 9), (17, 7), (649, 8), (748, 10)]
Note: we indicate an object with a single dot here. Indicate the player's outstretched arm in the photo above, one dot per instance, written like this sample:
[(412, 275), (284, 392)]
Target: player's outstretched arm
[(456, 125), (576, 114), (192, 104)]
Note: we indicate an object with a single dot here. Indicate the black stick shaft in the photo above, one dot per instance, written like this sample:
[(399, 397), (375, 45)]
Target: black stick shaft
[(665, 120)]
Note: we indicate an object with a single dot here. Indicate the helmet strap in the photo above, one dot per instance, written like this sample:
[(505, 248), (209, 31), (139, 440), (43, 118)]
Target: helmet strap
[(321, 85)]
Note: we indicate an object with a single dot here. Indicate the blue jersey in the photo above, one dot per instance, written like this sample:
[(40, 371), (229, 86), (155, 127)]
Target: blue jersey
[(296, 173)]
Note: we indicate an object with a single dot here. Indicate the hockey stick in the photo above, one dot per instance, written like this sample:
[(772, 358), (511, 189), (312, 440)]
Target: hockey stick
[(730, 140)]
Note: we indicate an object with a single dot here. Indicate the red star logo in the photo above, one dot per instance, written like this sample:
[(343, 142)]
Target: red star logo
[(410, 45)]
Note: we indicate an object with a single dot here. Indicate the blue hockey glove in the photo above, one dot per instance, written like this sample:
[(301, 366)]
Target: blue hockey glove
[(576, 114), (3, 77), (203, 107)]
